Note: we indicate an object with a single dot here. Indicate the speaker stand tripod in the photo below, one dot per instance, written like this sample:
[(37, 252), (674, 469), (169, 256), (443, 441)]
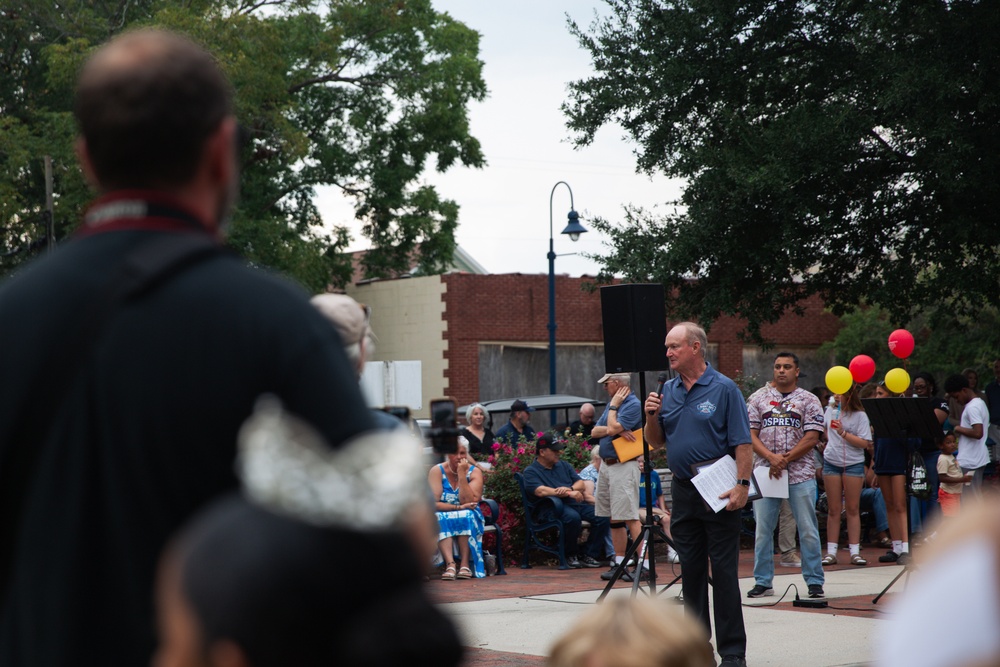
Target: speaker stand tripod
[(906, 568), (651, 530)]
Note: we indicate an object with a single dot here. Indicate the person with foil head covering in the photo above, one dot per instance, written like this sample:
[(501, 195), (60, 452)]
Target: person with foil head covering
[(244, 586), (274, 577)]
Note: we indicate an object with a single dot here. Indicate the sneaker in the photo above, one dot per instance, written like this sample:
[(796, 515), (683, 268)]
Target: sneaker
[(590, 561), (816, 591), (733, 661), (606, 576), (759, 591), (672, 557), (790, 559), (573, 562), (629, 576), (889, 557), (904, 558)]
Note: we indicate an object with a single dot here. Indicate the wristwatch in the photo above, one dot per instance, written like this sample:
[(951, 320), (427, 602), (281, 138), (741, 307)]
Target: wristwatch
[(612, 407), (743, 482)]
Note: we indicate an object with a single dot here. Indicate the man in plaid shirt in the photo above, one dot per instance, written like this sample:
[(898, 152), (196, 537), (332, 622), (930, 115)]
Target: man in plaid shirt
[(785, 424)]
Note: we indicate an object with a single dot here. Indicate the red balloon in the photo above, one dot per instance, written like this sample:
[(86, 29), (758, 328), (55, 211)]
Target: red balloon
[(901, 343), (862, 368)]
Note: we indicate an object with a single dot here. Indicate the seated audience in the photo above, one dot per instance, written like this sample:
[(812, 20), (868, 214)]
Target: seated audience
[(872, 501), (478, 434), (661, 514), (550, 476), (517, 426), (457, 487), (589, 476), (585, 424), (633, 632)]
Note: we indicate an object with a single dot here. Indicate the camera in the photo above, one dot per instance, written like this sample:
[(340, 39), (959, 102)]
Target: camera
[(444, 430)]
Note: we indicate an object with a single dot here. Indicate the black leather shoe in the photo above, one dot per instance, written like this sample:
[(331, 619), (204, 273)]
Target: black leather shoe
[(733, 661), (606, 576)]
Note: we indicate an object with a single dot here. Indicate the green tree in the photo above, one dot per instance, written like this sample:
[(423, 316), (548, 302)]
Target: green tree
[(942, 347), (363, 95), (843, 148)]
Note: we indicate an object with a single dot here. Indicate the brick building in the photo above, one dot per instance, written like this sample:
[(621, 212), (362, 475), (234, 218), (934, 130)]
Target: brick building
[(481, 337)]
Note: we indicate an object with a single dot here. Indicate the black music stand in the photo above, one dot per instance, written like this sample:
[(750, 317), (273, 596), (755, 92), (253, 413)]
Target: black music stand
[(902, 418), (650, 529)]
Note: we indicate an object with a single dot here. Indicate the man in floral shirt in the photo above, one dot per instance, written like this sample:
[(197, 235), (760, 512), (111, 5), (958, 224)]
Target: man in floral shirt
[(785, 424)]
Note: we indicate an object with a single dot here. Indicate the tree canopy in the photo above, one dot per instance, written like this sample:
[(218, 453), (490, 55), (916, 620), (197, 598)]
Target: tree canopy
[(845, 148), (363, 95), (941, 350)]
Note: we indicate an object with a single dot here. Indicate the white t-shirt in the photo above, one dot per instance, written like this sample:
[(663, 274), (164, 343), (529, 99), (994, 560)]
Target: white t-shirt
[(972, 453), (837, 451)]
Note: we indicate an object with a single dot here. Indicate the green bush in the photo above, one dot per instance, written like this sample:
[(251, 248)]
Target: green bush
[(502, 487)]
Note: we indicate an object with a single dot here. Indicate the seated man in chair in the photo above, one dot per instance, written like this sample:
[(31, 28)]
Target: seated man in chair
[(549, 476)]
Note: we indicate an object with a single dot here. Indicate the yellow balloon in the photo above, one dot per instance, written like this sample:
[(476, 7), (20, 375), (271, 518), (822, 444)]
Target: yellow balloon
[(897, 380), (839, 380)]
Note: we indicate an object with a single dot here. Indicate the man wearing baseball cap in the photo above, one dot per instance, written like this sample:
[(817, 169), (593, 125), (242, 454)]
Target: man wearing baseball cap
[(618, 484), (518, 426), (549, 476)]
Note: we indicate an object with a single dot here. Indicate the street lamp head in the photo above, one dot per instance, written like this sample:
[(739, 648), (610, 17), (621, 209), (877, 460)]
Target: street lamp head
[(574, 228)]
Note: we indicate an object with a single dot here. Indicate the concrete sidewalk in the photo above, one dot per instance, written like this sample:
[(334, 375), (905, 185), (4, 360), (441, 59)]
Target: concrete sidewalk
[(513, 620)]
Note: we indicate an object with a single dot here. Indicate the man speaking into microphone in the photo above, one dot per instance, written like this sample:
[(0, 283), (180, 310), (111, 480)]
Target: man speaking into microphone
[(702, 416), (617, 494)]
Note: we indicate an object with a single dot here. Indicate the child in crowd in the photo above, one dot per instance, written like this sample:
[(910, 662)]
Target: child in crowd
[(951, 477), (661, 514)]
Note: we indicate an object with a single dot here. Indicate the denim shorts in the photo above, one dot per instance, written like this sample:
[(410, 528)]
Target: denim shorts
[(853, 470)]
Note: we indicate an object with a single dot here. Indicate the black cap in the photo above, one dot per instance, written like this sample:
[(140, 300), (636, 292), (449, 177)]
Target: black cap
[(519, 405), (549, 441)]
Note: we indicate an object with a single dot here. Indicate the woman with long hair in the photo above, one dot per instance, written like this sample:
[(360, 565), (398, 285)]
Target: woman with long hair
[(848, 434)]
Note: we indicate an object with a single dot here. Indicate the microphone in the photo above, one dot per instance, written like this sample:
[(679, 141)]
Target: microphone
[(661, 380)]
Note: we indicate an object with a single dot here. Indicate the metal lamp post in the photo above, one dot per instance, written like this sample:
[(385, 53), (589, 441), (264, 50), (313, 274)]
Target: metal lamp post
[(573, 229)]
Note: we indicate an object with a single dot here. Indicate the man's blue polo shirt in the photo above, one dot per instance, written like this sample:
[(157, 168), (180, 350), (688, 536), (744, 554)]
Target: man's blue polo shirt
[(629, 416), (704, 423), (507, 433), (561, 474)]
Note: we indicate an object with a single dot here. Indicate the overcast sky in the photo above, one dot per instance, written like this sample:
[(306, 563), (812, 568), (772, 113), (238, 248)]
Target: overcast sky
[(529, 58)]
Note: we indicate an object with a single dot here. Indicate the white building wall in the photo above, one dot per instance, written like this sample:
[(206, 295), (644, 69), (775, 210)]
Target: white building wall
[(408, 320)]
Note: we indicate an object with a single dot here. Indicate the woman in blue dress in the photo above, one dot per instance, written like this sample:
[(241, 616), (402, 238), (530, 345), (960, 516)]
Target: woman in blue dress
[(457, 487)]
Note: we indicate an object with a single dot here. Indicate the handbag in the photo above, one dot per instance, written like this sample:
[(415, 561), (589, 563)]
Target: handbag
[(917, 484)]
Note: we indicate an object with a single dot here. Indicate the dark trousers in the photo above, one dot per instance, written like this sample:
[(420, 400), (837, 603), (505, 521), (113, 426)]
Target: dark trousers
[(702, 536), (572, 516)]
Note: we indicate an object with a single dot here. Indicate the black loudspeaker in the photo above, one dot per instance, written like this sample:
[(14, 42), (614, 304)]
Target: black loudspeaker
[(635, 326)]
